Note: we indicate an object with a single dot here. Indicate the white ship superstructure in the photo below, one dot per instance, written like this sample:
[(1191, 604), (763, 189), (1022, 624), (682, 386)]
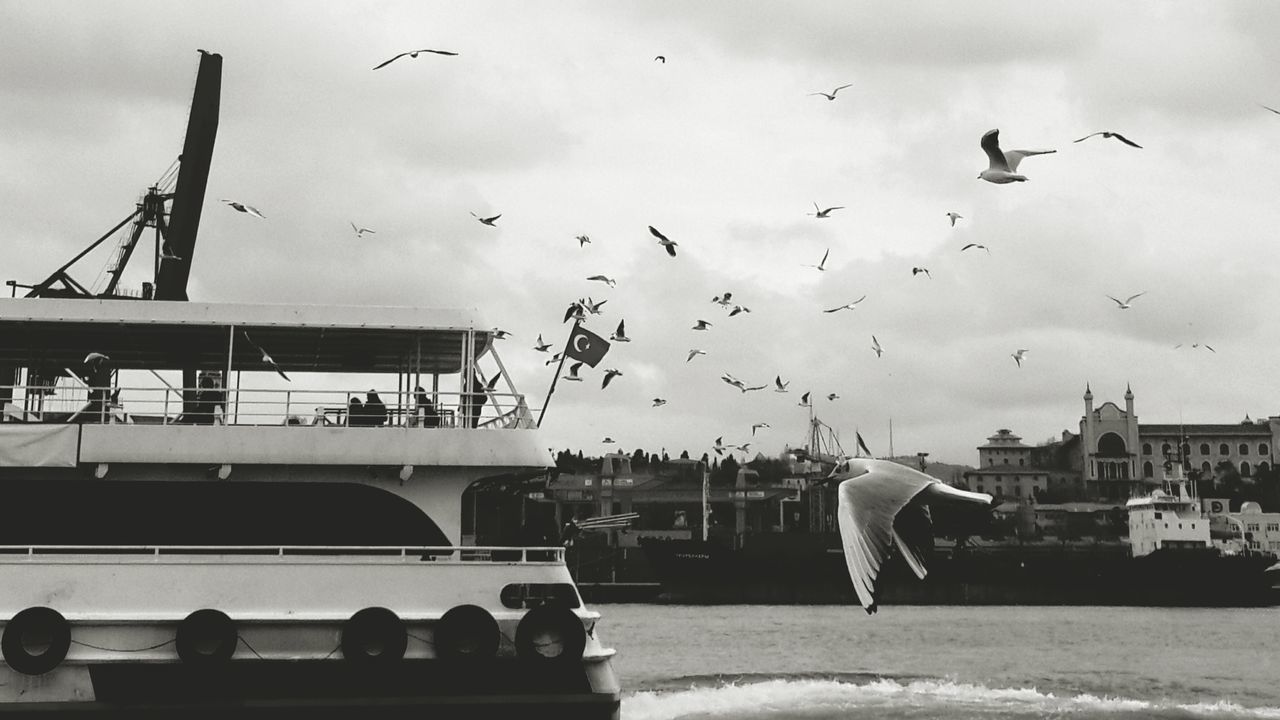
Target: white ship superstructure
[(1169, 517)]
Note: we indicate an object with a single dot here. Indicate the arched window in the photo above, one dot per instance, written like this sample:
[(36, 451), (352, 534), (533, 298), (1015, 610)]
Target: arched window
[(1021, 461), (1146, 448), (1263, 450), (1148, 470), (1111, 445), (1263, 468), (1244, 448), (1204, 448), (1224, 449), (1165, 448), (1205, 469), (1186, 450), (1244, 469)]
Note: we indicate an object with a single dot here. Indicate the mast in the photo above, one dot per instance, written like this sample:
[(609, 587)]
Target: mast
[(891, 455)]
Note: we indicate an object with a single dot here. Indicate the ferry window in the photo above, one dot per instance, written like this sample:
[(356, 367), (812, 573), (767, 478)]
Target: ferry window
[(1262, 449), (1224, 449), (1165, 448), (1244, 448), (1146, 448), (1204, 448), (1244, 469), (1148, 470)]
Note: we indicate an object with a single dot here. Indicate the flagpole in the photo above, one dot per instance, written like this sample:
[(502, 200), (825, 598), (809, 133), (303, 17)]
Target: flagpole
[(551, 391)]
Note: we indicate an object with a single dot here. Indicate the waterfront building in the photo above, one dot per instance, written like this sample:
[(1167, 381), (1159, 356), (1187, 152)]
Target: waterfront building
[(1007, 468)]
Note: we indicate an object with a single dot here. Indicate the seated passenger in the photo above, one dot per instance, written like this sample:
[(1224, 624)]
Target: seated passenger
[(374, 409), (425, 410), (355, 413)]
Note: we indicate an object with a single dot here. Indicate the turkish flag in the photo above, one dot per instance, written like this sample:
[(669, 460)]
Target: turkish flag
[(586, 346)]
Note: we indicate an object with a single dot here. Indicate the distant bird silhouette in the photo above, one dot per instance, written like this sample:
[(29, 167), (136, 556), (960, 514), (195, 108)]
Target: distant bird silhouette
[(500, 334), (412, 54), (822, 265), (722, 300), (1264, 107), (702, 325), (738, 309), (1020, 355), (954, 217), (670, 245), (832, 396), (757, 426), (592, 306), (975, 245), (847, 306), (265, 357), (734, 381), (1115, 135), (606, 280), (831, 95), (1003, 165), (693, 353), (820, 213), (360, 231), (241, 207), (917, 270), (875, 345), (582, 240), (554, 359), (804, 400), (620, 335), (659, 402), (608, 440), (487, 220), (1125, 304), (779, 386), (609, 374), (660, 58), (575, 311), (542, 346), (573, 373), (719, 446)]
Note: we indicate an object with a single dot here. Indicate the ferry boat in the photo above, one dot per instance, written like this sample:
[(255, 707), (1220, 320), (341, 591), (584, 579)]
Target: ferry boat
[(256, 510)]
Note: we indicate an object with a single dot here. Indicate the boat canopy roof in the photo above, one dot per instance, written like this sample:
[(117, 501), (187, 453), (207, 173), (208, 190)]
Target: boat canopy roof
[(156, 334)]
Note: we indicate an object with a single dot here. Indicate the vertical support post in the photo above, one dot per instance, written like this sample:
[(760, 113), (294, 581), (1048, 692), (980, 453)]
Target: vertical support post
[(706, 501)]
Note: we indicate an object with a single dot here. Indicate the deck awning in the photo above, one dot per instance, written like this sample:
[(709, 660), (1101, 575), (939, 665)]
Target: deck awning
[(153, 334)]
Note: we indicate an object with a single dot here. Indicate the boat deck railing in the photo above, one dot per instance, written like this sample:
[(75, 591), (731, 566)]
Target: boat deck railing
[(439, 554), (244, 406)]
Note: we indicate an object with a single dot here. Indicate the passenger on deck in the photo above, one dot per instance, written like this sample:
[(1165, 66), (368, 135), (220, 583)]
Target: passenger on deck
[(98, 377), (476, 400), (426, 412), (355, 413), (374, 409)]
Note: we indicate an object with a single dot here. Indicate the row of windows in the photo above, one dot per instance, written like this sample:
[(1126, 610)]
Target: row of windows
[(1246, 470), (1223, 449)]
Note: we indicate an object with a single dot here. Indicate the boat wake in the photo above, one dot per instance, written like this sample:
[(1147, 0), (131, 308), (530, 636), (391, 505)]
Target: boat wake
[(822, 699)]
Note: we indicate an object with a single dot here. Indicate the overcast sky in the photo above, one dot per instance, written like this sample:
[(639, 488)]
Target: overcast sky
[(557, 116)]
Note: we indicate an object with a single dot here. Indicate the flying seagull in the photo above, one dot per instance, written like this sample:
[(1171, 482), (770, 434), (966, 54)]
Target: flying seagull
[(606, 280), (954, 217), (554, 358), (1020, 355), (779, 386), (500, 334), (975, 245), (1116, 135), (659, 402), (820, 213), (734, 382), (875, 345), (592, 306), (412, 54), (917, 270), (832, 396), (542, 346), (1126, 303), (608, 440), (620, 335), (722, 300), (573, 373), (582, 239), (719, 446), (882, 504), (757, 426), (847, 306), (702, 325), (832, 94), (248, 209), (609, 375), (804, 400), (1004, 165), (487, 220), (663, 241), (266, 358), (739, 309), (693, 353), (360, 231), (822, 265), (660, 58), (94, 359), (575, 311)]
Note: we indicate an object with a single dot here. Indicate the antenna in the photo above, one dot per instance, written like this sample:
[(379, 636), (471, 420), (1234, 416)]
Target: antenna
[(891, 455)]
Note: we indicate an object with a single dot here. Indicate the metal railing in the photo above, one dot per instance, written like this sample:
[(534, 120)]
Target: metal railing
[(438, 554), (246, 406)]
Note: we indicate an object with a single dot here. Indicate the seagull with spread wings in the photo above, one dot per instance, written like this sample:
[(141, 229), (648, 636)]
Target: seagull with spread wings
[(975, 245), (694, 353), (412, 54), (1020, 355), (917, 270), (821, 213), (1004, 165), (831, 95), (670, 245), (241, 207), (265, 357), (804, 401), (609, 374), (604, 279), (779, 386), (542, 346), (1127, 302), (702, 325), (954, 217), (875, 345), (487, 220), (360, 231), (620, 335), (847, 306), (582, 239), (822, 266), (659, 402), (1108, 134), (573, 373)]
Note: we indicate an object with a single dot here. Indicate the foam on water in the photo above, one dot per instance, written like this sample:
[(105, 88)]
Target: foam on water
[(814, 698)]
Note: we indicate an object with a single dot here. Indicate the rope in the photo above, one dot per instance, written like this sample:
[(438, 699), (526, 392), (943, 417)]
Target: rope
[(121, 650), (246, 644)]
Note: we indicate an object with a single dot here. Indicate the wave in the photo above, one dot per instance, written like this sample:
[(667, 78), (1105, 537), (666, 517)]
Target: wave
[(812, 698)]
